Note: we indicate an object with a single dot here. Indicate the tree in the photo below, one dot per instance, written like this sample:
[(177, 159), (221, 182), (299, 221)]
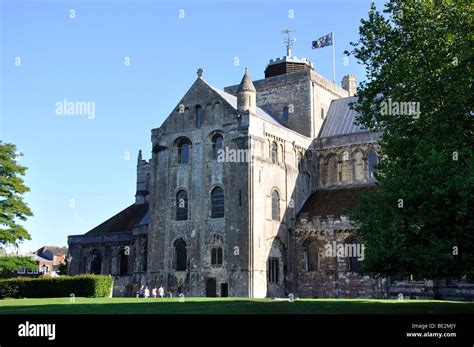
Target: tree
[(418, 57), (12, 208)]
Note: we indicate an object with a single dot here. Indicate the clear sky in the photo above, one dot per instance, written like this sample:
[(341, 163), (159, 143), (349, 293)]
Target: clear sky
[(82, 170)]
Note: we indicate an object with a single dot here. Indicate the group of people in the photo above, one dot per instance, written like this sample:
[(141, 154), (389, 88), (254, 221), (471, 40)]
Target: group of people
[(144, 292)]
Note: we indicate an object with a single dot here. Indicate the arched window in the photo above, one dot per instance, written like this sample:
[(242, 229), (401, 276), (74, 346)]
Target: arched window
[(183, 152), (311, 255), (198, 116), (358, 166), (217, 203), (181, 255), (123, 261), (217, 109), (275, 205), (96, 262), (285, 114), (332, 169), (182, 205), (354, 255), (217, 145), (274, 153), (216, 250), (372, 158)]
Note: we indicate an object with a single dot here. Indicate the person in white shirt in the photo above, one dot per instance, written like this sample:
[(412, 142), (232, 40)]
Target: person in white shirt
[(161, 291)]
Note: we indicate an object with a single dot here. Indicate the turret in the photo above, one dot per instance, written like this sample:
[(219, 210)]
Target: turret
[(246, 95), (143, 180), (349, 83)]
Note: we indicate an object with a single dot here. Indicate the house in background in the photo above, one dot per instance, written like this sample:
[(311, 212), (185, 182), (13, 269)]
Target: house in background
[(56, 255), (48, 259), (44, 268)]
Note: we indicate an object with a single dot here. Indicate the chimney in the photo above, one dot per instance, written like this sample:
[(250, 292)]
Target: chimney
[(349, 83)]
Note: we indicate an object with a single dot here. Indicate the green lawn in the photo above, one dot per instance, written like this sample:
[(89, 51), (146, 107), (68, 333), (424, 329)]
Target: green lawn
[(229, 306)]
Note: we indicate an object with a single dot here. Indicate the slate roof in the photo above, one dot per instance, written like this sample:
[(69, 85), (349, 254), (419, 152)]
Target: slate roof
[(123, 221), (53, 249), (332, 202), (340, 119)]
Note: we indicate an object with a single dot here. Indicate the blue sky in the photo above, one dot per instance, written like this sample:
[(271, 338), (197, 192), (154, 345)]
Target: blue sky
[(78, 170)]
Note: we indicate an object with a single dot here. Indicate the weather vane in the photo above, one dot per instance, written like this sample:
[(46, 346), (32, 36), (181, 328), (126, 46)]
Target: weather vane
[(289, 41)]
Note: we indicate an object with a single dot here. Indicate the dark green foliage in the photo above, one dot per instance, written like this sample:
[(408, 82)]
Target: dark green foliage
[(419, 51), (64, 286)]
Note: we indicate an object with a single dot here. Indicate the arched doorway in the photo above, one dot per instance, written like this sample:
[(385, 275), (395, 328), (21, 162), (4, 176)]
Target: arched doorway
[(211, 287), (123, 269), (181, 255), (96, 262)]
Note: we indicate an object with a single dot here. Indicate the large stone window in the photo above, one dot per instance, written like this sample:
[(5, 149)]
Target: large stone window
[(274, 153), (217, 145), (217, 203), (183, 151), (311, 255), (275, 205), (182, 205), (199, 116), (96, 262), (372, 161), (123, 261)]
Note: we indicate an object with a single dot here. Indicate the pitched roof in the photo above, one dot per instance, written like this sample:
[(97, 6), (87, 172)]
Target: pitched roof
[(123, 221), (232, 101), (53, 249), (340, 119), (332, 202)]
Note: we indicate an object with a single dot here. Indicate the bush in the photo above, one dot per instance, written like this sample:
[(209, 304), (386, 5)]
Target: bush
[(53, 287)]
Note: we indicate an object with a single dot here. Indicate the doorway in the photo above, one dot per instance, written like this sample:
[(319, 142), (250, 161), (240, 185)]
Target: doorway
[(224, 290), (211, 288)]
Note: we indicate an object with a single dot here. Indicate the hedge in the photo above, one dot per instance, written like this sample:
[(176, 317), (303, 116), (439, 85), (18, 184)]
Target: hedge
[(53, 287)]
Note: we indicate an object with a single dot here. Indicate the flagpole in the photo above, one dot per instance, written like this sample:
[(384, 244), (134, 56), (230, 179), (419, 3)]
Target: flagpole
[(333, 60)]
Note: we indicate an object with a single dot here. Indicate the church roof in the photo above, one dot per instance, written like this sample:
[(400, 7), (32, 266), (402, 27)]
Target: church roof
[(123, 221), (340, 119), (232, 101), (335, 202)]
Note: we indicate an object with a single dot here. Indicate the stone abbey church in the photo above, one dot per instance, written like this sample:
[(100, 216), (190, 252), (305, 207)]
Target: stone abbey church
[(204, 224)]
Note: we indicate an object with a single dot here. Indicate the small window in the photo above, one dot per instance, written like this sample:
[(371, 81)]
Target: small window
[(322, 113), (183, 152), (198, 116), (182, 205), (216, 256), (217, 203), (275, 205), (285, 114), (273, 270), (21, 271), (217, 145), (274, 153)]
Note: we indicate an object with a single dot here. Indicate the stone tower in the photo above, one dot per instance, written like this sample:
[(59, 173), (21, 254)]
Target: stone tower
[(349, 83), (246, 95)]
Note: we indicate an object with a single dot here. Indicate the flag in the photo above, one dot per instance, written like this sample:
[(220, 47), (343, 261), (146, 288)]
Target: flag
[(323, 41)]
